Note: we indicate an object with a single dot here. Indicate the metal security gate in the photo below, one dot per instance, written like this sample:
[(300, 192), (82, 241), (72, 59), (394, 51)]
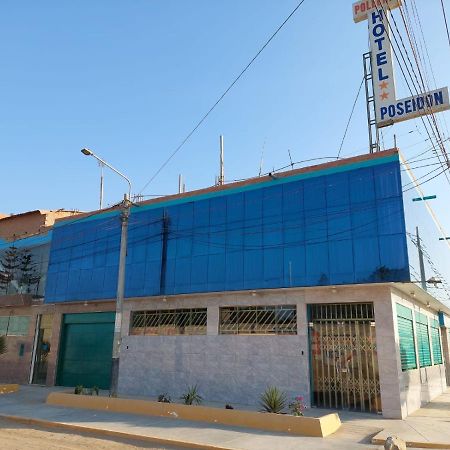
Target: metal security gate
[(344, 361), (86, 350)]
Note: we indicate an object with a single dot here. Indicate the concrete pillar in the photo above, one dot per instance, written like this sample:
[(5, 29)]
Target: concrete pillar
[(389, 363), (212, 328), (54, 349), (446, 351)]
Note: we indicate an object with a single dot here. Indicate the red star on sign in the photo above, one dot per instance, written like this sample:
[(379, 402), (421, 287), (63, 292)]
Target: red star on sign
[(384, 85), (384, 96)]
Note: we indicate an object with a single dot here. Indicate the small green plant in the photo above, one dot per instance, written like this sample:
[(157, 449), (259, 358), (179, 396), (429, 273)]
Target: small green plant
[(297, 406), (164, 398), (78, 389), (3, 348), (273, 400), (94, 390), (192, 396)]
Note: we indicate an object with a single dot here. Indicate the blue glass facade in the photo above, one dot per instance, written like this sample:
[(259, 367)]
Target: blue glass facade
[(331, 227), (33, 279)]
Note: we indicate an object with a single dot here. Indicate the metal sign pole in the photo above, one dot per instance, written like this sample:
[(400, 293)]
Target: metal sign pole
[(370, 104)]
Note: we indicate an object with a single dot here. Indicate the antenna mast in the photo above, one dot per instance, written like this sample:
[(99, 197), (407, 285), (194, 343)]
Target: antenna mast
[(221, 179)]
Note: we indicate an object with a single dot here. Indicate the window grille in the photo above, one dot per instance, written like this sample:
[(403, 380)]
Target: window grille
[(169, 322), (342, 311), (258, 320)]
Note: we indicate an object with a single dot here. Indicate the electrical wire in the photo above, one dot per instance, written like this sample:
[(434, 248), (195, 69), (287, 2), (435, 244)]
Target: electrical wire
[(423, 47), (228, 89), (445, 20), (350, 118), (413, 79)]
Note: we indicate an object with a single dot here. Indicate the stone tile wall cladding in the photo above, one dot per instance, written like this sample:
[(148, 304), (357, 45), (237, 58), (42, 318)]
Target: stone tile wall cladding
[(236, 369), (227, 369)]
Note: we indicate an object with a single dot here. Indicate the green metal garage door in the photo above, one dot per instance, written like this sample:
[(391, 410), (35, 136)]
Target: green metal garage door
[(86, 350)]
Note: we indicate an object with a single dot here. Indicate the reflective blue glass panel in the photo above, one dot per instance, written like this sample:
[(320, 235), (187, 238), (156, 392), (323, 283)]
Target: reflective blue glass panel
[(331, 228)]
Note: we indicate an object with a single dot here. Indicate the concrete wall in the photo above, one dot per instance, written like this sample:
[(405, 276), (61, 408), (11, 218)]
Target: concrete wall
[(30, 223), (227, 368), (237, 369), (417, 387)]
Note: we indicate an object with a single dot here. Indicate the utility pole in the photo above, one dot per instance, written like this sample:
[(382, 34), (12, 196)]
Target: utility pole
[(124, 218), (423, 280)]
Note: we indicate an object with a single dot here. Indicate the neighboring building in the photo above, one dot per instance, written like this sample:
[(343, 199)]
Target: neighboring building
[(19, 226), (300, 280), (24, 251)]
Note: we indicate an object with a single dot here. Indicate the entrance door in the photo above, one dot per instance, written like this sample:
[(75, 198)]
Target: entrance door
[(344, 361), (42, 353), (86, 350)]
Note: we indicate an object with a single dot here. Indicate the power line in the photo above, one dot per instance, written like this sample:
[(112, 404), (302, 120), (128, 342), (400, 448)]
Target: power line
[(429, 179), (417, 90), (205, 116), (418, 22), (445, 20), (350, 118)]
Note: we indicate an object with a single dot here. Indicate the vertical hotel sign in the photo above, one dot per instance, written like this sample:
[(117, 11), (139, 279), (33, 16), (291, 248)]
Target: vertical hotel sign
[(388, 109)]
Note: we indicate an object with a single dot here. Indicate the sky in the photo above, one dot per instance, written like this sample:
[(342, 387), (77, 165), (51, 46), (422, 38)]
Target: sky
[(130, 79)]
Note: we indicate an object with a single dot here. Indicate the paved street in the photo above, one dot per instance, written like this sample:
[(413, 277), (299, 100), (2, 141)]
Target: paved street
[(29, 403), (427, 426), (15, 436)]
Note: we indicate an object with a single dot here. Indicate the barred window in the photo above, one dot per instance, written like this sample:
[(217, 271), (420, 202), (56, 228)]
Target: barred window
[(258, 320), (169, 322)]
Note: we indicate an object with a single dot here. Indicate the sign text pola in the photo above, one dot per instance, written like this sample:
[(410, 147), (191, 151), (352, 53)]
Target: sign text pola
[(389, 110)]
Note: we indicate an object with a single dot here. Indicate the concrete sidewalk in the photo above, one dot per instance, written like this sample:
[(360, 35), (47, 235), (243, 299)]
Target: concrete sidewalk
[(427, 428), (28, 406)]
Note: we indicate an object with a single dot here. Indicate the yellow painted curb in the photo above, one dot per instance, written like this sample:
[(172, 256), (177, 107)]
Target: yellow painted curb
[(110, 433), (413, 444), (8, 388), (303, 426)]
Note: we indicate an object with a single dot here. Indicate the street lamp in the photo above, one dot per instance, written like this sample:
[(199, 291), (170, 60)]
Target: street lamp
[(124, 217), (88, 152)]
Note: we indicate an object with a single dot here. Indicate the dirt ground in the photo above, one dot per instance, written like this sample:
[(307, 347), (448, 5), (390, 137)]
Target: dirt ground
[(15, 436)]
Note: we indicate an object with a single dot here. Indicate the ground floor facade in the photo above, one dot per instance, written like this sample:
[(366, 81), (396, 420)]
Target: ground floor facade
[(380, 348)]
